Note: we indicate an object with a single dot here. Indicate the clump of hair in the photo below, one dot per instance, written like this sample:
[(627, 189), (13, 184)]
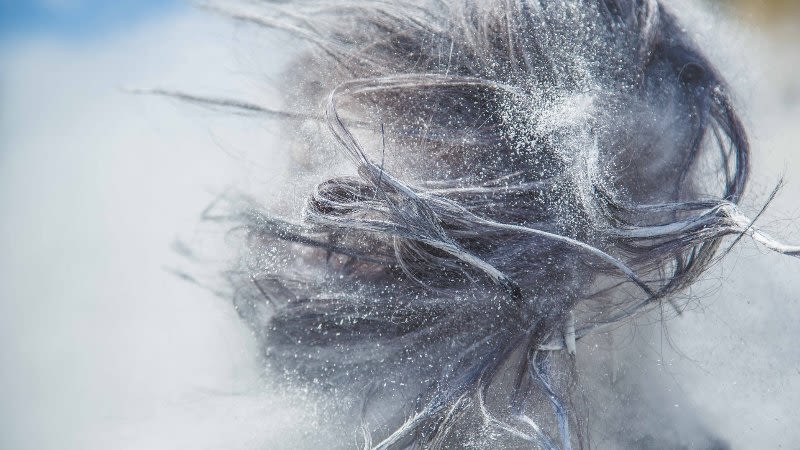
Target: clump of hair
[(526, 172)]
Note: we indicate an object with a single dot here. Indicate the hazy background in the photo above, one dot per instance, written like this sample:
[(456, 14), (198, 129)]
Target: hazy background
[(101, 347)]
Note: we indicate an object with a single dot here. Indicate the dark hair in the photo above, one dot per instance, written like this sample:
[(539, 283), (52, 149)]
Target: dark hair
[(527, 172)]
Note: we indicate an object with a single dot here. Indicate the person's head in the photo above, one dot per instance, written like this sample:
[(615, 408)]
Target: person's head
[(525, 172)]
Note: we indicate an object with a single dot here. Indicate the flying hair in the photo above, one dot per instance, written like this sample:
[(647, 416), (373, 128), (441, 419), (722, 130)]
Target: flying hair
[(525, 173)]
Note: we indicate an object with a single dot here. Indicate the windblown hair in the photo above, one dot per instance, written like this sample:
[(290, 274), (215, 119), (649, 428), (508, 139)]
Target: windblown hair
[(526, 172)]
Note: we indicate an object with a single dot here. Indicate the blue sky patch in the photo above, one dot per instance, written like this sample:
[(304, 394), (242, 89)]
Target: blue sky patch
[(76, 18)]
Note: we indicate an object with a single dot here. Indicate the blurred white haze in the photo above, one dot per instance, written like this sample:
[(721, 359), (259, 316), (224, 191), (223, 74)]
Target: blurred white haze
[(101, 347)]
